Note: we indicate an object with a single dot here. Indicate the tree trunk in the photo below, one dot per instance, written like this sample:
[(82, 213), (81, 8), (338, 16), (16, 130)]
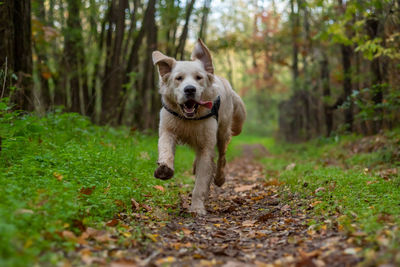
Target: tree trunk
[(74, 56), (326, 92), (204, 18), (16, 51), (6, 45), (40, 47), (294, 17), (133, 64), (147, 87), (347, 86), (182, 39), (376, 75), (112, 82)]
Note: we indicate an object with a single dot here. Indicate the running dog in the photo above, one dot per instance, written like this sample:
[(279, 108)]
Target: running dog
[(199, 109)]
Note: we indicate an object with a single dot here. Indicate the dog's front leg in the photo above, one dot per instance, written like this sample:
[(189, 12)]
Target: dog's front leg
[(205, 168), (166, 154)]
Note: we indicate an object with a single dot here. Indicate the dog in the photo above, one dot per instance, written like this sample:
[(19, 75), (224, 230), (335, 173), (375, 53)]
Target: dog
[(199, 109)]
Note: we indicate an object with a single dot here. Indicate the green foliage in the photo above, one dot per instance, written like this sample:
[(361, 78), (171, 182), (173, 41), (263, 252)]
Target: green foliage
[(369, 110), (46, 164)]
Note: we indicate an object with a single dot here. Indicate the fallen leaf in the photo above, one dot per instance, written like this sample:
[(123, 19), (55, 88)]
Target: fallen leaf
[(112, 222), (319, 189), (69, 235), (24, 211), (87, 190), (290, 167), (159, 187), (152, 237), (123, 263), (166, 260), (135, 205), (58, 176), (186, 231), (243, 188), (248, 223)]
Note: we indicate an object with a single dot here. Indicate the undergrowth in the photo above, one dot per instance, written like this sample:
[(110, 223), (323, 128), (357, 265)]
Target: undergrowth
[(60, 172)]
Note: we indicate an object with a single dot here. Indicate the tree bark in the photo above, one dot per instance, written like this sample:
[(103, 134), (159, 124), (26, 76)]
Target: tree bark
[(112, 82), (204, 19), (294, 17), (326, 92), (133, 64), (74, 56), (16, 51), (180, 50)]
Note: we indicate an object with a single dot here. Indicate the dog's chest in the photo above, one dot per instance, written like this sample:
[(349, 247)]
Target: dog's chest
[(195, 133)]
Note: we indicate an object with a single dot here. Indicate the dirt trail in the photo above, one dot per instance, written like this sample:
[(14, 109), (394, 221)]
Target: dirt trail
[(248, 224)]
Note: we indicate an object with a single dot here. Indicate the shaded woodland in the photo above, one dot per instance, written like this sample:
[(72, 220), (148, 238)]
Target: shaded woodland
[(305, 68)]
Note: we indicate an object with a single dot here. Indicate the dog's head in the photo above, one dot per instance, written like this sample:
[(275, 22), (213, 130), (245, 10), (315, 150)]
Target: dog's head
[(187, 84)]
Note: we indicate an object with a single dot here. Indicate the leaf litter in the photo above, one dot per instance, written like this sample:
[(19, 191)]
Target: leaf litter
[(249, 223)]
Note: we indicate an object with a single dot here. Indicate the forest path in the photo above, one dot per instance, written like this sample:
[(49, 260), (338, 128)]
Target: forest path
[(248, 224)]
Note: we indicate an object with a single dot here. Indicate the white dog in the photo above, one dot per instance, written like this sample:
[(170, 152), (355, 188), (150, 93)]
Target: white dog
[(199, 109)]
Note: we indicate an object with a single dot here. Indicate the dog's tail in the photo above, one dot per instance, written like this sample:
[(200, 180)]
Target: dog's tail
[(239, 114)]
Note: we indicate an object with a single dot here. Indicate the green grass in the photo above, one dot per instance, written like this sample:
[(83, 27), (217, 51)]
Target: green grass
[(345, 189), (46, 164)]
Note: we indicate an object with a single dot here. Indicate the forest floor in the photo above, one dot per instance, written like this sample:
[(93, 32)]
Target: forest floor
[(73, 194), (258, 219), (248, 224)]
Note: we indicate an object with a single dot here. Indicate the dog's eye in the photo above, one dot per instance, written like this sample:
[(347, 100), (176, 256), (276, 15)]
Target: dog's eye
[(179, 78), (198, 77)]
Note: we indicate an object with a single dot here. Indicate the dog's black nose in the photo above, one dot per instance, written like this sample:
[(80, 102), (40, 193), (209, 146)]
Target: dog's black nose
[(189, 90)]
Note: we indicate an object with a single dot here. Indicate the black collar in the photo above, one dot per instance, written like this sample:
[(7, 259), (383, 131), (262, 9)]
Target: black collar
[(213, 112)]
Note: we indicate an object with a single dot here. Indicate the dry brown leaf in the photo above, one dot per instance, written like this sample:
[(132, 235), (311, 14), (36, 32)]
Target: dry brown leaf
[(123, 263), (248, 223), (135, 205), (159, 187), (186, 231), (69, 235), (243, 188), (112, 222), (58, 176), (87, 190)]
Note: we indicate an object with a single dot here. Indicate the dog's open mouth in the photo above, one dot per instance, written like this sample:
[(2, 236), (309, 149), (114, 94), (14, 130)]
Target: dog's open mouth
[(190, 107)]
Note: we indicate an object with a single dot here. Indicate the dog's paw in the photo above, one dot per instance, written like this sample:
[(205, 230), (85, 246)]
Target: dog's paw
[(220, 181), (163, 172), (198, 210)]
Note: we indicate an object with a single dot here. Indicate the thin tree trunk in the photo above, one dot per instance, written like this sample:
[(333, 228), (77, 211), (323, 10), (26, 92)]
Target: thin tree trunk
[(6, 45), (204, 18), (42, 60), (133, 64), (326, 92), (112, 84), (23, 54), (295, 29), (74, 56), (180, 50)]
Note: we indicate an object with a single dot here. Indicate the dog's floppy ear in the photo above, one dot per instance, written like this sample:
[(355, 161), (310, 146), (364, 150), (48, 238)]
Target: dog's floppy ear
[(164, 63), (202, 53)]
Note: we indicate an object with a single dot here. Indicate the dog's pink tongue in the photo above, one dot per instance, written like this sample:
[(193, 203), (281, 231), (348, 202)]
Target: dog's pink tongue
[(206, 104)]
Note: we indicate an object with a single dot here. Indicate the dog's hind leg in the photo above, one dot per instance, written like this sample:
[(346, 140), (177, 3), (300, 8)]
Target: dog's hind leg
[(222, 144), (205, 168)]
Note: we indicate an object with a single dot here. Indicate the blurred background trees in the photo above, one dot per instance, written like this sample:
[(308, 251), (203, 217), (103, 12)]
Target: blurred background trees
[(305, 68)]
